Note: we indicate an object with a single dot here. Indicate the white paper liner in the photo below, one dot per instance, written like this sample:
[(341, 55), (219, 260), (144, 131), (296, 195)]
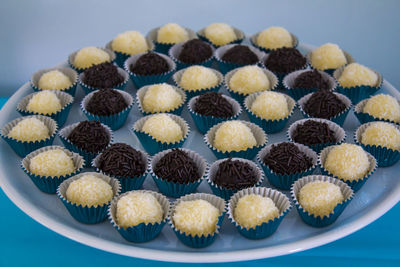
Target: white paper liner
[(220, 52), (70, 73), (149, 42), (71, 57), (237, 109), (178, 76), (338, 72), (152, 35), (349, 59), (132, 61), (360, 130), (254, 38), (239, 34), (122, 72), (175, 51), (288, 81), (127, 97)]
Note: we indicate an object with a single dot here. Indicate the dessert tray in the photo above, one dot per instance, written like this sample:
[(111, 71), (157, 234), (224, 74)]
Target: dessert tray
[(377, 196)]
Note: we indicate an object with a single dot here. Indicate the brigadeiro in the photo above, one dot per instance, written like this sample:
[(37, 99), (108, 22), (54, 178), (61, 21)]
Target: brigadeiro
[(240, 54), (313, 132), (311, 79), (195, 51), (150, 64), (90, 136), (285, 60), (104, 75), (324, 104), (235, 174), (106, 102), (213, 104)]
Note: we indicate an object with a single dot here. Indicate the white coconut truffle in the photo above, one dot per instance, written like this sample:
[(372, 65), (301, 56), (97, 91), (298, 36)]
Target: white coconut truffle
[(381, 134), (52, 163), (130, 42), (328, 56), (220, 34), (172, 33), (54, 80), (249, 79), (270, 106), (90, 56), (163, 128), (234, 136), (29, 130), (383, 107), (196, 78), (44, 102), (161, 98), (274, 37), (356, 74)]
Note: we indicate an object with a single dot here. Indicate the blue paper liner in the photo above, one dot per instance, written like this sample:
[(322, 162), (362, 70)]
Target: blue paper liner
[(250, 153), (266, 229), (22, 148), (318, 221), (142, 232), (165, 47), (85, 214), (285, 181), (71, 59), (175, 51), (153, 146), (71, 73), (121, 57), (364, 117), (349, 60), (239, 37), (49, 184), (253, 41)]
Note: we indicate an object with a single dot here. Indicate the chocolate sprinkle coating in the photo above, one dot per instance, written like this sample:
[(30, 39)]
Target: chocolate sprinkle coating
[(106, 102), (195, 51), (235, 174), (213, 104), (285, 60), (286, 158), (177, 167), (311, 79), (324, 104), (89, 136), (150, 64), (240, 54), (104, 75), (122, 160), (313, 132)]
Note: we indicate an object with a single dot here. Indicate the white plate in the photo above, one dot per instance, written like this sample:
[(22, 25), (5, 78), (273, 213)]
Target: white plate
[(379, 194)]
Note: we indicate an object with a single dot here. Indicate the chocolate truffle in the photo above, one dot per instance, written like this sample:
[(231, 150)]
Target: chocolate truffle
[(172, 33), (270, 106), (122, 160), (161, 98), (249, 79), (381, 134), (324, 104), (104, 75), (52, 163), (285, 60), (89, 136), (220, 34), (89, 56), (234, 136), (213, 104), (240, 54), (106, 102), (328, 56), (29, 130), (356, 74), (383, 107), (286, 158), (195, 51), (235, 174), (54, 80), (313, 132), (311, 79), (150, 64), (130, 42), (44, 102), (163, 128), (196, 78), (274, 37)]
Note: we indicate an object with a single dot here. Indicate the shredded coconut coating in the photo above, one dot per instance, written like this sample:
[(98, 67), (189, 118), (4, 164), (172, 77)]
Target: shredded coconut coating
[(328, 56), (320, 198), (381, 134), (249, 79), (270, 106), (234, 136), (196, 217), (29, 130), (44, 102), (274, 37), (135, 208), (130, 42), (161, 98), (89, 190), (220, 33), (172, 33), (383, 107), (54, 80), (52, 163), (347, 161), (163, 128), (198, 77), (90, 56), (252, 210), (356, 74)]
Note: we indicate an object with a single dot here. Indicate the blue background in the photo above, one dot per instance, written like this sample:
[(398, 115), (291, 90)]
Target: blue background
[(40, 34)]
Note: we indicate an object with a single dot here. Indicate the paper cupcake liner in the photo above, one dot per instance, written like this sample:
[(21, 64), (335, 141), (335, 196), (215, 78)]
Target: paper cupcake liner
[(127, 183), (204, 123), (273, 81), (384, 156), (354, 184), (338, 119), (176, 50), (339, 133), (85, 214), (226, 193), (142, 92), (114, 121), (364, 117), (285, 181), (253, 41), (88, 89), (239, 37), (153, 146), (71, 59), (225, 66), (196, 241), (266, 229), (191, 93), (142, 80), (49, 184), (349, 60), (297, 93), (250, 153), (164, 47), (70, 73), (142, 232), (88, 156), (357, 93), (173, 189), (23, 148), (60, 116), (318, 221), (269, 126), (121, 57)]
